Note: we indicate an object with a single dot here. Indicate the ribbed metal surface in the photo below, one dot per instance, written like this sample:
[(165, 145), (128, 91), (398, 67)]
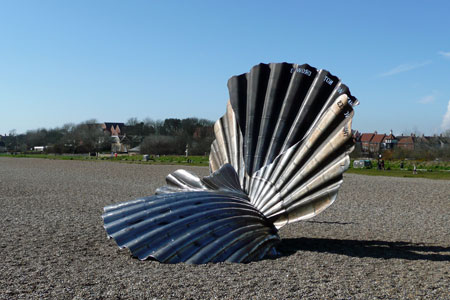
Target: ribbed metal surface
[(192, 227), (225, 180), (279, 105), (297, 137), (278, 157)]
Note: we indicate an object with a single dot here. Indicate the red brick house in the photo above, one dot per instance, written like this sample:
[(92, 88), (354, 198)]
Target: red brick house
[(375, 143), (406, 142), (365, 139)]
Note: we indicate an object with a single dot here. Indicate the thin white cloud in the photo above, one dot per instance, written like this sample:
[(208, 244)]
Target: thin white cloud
[(405, 68), (446, 120), (444, 54), (428, 98)]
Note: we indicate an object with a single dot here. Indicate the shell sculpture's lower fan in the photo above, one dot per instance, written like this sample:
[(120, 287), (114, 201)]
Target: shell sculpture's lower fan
[(279, 154)]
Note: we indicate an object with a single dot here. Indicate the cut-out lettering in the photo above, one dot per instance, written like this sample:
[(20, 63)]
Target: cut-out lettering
[(301, 71), (328, 80)]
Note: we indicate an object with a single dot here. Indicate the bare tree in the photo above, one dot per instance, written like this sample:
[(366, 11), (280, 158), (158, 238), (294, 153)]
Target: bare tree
[(446, 133), (132, 122)]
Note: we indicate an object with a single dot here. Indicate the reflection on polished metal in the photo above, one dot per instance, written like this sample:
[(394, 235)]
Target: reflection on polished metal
[(279, 154)]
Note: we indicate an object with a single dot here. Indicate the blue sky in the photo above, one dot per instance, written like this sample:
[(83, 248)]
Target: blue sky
[(63, 62)]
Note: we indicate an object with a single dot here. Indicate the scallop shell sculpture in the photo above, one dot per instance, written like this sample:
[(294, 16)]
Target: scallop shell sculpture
[(279, 154)]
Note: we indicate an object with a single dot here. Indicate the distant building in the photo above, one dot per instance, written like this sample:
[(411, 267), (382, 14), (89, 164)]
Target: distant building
[(389, 141), (375, 142), (114, 129), (39, 148), (120, 144), (439, 141), (365, 139), (2, 147), (431, 142), (406, 142), (356, 135), (135, 150)]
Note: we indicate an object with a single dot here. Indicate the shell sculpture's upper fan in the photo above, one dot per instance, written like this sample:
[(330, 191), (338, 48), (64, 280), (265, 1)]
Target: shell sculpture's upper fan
[(279, 154)]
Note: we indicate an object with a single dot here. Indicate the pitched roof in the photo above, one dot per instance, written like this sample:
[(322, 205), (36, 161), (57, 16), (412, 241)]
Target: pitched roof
[(378, 138), (109, 124), (424, 140), (135, 149), (366, 137), (389, 137), (406, 140), (113, 128)]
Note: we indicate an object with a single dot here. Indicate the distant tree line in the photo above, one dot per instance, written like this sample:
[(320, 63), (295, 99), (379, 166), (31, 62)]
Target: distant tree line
[(85, 137), (169, 136), (160, 137)]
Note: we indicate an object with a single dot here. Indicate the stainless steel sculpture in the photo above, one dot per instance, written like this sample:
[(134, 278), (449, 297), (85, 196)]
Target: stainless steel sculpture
[(278, 157)]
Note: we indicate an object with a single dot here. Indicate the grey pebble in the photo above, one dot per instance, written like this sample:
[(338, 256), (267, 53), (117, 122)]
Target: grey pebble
[(384, 238)]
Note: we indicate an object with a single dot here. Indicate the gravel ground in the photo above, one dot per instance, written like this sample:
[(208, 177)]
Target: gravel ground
[(384, 238)]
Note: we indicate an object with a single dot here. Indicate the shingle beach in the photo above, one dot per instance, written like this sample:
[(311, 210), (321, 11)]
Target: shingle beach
[(383, 238)]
